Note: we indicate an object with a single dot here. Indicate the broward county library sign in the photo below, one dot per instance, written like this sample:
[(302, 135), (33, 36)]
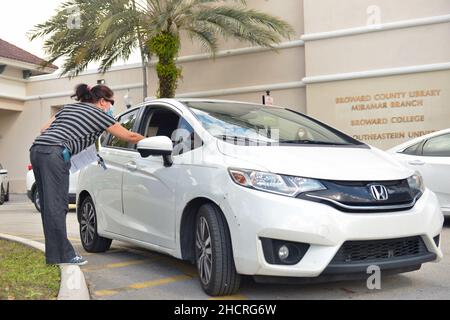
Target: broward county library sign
[(390, 115)]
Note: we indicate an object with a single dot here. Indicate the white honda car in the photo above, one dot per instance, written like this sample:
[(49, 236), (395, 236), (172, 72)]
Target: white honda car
[(430, 155), (33, 193), (4, 185), (245, 189)]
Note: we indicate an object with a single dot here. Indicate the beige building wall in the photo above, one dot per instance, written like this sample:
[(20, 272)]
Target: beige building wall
[(378, 70), (385, 111), (331, 15), (238, 72), (379, 50)]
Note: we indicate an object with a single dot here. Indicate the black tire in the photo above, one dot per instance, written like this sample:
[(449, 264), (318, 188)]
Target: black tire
[(7, 193), (222, 278), (90, 239), (2, 195), (36, 201)]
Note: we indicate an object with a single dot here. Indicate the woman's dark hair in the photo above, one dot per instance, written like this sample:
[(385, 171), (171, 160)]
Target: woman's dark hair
[(84, 93)]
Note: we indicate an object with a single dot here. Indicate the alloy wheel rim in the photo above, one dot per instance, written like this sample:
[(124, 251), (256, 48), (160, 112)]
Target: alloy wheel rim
[(204, 251), (87, 224)]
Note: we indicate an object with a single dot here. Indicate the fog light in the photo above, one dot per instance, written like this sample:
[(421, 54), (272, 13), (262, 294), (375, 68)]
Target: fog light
[(283, 253)]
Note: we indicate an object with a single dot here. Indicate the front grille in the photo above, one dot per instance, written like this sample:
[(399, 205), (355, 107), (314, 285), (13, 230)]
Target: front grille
[(353, 252), (359, 197)]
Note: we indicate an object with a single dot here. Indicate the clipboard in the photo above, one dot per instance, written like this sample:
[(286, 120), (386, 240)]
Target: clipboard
[(83, 159)]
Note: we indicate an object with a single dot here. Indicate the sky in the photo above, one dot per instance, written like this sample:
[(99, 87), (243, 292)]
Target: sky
[(17, 17)]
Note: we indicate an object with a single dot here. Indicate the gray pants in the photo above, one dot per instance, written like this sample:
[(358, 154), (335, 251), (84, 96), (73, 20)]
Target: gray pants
[(52, 180)]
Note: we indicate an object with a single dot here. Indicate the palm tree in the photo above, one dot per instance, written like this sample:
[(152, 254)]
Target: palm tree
[(116, 27), (82, 44)]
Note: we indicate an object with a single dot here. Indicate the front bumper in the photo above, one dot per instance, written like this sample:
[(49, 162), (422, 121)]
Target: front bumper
[(253, 215)]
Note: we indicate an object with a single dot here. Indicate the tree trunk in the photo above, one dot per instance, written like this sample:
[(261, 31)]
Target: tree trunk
[(166, 46), (144, 68), (144, 80), (144, 60)]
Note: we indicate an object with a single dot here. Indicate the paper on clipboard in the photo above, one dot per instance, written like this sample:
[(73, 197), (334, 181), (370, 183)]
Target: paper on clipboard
[(83, 159)]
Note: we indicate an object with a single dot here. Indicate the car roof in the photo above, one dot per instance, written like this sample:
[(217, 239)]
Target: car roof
[(183, 100), (412, 142)]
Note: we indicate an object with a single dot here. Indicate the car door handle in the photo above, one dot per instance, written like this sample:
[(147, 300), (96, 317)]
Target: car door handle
[(416, 163), (132, 166)]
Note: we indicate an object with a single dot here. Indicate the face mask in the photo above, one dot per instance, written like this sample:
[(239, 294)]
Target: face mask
[(110, 111)]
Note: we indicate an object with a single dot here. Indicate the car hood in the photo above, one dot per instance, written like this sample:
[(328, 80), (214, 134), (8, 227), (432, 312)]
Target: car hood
[(321, 162)]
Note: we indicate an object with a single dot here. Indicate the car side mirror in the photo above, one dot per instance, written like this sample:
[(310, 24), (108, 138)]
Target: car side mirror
[(3, 171), (157, 146)]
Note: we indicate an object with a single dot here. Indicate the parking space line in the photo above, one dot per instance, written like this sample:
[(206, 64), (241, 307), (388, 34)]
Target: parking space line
[(117, 265), (105, 293), (142, 285), (155, 283), (171, 261)]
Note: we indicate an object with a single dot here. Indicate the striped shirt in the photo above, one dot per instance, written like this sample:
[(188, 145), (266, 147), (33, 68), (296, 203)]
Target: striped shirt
[(76, 127)]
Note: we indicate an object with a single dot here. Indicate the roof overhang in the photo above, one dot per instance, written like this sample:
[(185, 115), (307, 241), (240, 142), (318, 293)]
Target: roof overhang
[(34, 68)]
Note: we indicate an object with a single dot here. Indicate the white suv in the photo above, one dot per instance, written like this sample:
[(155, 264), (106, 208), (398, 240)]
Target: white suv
[(33, 194), (4, 185), (245, 189)]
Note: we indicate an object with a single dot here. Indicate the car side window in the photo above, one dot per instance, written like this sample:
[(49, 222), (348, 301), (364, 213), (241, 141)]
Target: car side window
[(185, 138), (414, 150), (160, 122), (127, 121), (437, 146)]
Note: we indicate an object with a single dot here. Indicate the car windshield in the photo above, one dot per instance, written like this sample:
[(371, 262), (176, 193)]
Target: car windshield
[(267, 125)]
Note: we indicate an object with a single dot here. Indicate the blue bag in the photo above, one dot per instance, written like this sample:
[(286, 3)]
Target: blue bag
[(66, 155)]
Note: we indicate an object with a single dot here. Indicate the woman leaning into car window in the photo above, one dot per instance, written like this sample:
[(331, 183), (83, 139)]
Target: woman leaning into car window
[(73, 129)]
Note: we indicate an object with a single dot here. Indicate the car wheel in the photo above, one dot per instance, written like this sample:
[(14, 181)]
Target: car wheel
[(2, 195), (7, 193), (91, 240), (36, 201), (214, 254)]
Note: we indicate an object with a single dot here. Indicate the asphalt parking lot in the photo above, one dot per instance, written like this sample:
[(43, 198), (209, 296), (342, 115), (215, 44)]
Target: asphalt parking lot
[(128, 272)]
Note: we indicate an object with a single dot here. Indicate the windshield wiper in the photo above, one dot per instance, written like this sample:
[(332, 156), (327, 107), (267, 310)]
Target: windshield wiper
[(314, 142), (233, 138)]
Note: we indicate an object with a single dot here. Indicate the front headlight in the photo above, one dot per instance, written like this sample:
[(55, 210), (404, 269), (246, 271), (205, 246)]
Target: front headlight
[(274, 183), (415, 182)]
